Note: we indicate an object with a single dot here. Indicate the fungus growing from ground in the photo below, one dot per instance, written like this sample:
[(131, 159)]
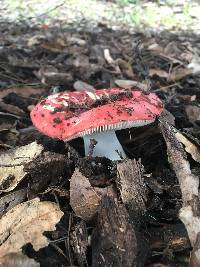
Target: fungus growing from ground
[(96, 116)]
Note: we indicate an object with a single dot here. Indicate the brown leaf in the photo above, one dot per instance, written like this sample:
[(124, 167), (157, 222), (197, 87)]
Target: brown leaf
[(126, 68), (85, 199), (26, 223)]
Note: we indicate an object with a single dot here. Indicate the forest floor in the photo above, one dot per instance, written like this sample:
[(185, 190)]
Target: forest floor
[(46, 183)]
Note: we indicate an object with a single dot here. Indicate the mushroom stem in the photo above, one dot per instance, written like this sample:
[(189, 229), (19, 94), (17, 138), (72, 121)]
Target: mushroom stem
[(107, 145)]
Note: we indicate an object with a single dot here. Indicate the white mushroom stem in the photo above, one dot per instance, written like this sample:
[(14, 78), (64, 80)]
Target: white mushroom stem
[(107, 145)]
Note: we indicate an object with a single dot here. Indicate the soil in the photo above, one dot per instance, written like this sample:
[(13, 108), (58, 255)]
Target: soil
[(33, 61)]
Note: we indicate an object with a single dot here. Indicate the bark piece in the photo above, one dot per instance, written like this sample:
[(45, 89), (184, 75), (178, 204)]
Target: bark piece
[(114, 241), (49, 168), (132, 187), (189, 183), (79, 242), (169, 236), (12, 199)]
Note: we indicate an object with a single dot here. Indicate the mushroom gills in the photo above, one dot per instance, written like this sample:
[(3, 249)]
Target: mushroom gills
[(107, 145)]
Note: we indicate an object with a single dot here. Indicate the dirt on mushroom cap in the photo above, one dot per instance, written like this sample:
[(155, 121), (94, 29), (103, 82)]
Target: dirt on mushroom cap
[(68, 115)]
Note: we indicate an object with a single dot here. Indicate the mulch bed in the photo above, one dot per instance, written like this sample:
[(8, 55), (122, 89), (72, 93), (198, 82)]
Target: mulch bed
[(126, 225)]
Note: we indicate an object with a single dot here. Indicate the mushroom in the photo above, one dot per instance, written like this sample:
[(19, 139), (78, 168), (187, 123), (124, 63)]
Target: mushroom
[(96, 115)]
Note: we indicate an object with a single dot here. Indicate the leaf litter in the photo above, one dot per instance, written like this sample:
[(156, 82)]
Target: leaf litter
[(127, 214), (33, 217)]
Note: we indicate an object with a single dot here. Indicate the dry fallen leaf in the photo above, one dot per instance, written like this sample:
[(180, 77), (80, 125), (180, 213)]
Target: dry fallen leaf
[(159, 73), (129, 84), (85, 199), (50, 75), (12, 165), (155, 48), (179, 73), (25, 91), (26, 223), (126, 68), (190, 147), (18, 260), (175, 75)]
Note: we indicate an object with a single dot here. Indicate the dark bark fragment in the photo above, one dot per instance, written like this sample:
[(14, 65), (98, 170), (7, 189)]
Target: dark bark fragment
[(189, 184), (79, 242), (114, 241), (11, 200), (172, 236), (132, 187), (49, 169)]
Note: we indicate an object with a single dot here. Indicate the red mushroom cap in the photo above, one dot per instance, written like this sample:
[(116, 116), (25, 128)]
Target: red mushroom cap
[(68, 115)]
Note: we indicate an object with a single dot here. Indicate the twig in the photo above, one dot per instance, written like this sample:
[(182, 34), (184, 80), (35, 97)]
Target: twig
[(48, 11)]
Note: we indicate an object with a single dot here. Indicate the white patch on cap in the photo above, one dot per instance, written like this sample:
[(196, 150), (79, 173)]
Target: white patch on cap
[(66, 97), (92, 96), (50, 97), (48, 107)]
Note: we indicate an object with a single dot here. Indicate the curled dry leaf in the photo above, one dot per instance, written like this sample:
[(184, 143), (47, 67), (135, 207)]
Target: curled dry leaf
[(190, 147), (12, 165), (26, 223), (85, 199)]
